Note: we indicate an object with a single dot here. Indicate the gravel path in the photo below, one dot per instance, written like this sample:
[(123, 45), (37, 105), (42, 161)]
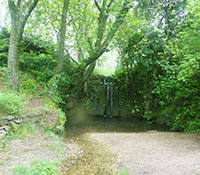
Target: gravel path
[(154, 153)]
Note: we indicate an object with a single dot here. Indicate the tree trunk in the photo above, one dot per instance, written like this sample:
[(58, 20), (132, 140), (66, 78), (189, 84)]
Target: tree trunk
[(18, 23), (13, 56), (61, 41), (88, 72)]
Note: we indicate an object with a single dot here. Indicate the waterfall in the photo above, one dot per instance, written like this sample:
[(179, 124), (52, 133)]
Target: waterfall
[(108, 87), (108, 91), (111, 100), (104, 82)]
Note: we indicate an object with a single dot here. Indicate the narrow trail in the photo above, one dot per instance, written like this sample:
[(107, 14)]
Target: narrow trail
[(111, 149)]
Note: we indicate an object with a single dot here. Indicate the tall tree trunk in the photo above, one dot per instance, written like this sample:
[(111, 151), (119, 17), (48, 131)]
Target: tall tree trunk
[(61, 41), (18, 20), (13, 56)]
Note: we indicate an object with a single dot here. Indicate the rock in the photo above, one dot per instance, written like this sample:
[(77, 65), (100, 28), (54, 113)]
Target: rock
[(9, 118), (4, 122), (71, 140), (2, 134), (22, 116), (18, 121), (5, 128)]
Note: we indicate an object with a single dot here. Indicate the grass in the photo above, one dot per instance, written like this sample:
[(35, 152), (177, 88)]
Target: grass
[(38, 168), (58, 148), (2, 113), (124, 171), (20, 132), (11, 103), (17, 132)]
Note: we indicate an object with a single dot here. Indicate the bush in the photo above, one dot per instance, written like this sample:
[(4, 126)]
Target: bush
[(28, 84), (4, 73), (11, 103)]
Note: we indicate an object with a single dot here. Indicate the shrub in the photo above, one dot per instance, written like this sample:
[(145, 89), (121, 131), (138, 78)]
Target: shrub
[(4, 73), (28, 84), (11, 103)]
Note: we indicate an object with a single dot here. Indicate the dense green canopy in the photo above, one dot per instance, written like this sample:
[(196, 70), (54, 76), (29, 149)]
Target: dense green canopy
[(61, 42)]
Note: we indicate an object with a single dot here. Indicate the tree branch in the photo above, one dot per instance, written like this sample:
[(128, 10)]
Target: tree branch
[(97, 5), (100, 48), (119, 20), (104, 5), (111, 1), (30, 9), (71, 57), (90, 43), (88, 73), (19, 3)]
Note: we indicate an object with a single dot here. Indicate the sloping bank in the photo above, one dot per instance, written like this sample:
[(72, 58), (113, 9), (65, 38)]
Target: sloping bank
[(29, 127), (28, 143)]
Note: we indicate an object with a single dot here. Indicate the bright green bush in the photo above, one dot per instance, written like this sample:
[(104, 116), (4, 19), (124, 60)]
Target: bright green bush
[(11, 103), (28, 84)]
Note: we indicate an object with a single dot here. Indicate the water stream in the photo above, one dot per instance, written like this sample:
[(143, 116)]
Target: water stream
[(97, 159)]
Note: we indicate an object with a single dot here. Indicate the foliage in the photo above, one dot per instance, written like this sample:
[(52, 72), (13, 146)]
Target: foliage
[(38, 168), (28, 84), (18, 131), (36, 57), (61, 120), (159, 58), (160, 74), (60, 124), (4, 44), (4, 74), (11, 103), (21, 131)]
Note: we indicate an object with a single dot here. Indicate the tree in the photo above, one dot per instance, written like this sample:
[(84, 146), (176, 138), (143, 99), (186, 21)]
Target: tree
[(101, 44), (61, 38), (20, 11)]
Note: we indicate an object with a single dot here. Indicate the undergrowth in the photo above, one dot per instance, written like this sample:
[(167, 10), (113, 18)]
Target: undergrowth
[(21, 131), (18, 132), (38, 168), (11, 103)]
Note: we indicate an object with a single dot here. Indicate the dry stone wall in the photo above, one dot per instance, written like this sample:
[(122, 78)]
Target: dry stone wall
[(6, 122)]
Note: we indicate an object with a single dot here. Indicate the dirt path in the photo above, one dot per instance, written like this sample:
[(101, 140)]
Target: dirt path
[(153, 153), (31, 148)]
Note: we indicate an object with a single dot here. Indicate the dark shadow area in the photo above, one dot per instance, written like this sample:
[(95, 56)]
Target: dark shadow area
[(115, 124)]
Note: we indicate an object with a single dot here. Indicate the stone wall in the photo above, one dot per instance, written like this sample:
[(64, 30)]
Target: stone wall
[(6, 122)]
